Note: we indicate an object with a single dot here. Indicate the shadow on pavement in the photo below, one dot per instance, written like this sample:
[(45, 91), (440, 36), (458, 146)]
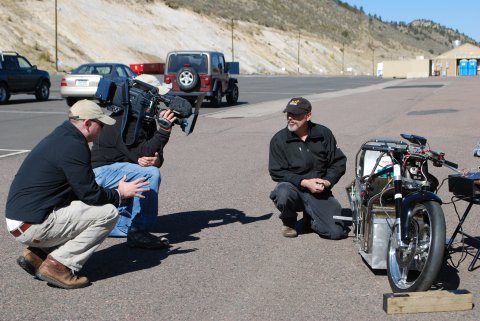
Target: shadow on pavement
[(181, 227), (28, 101), (120, 259), (447, 278)]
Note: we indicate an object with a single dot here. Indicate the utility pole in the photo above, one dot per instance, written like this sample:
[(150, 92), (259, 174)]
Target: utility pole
[(371, 46), (345, 36), (373, 62), (298, 53), (233, 56), (56, 38)]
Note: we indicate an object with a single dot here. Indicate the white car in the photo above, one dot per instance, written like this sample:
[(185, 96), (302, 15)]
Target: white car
[(83, 81)]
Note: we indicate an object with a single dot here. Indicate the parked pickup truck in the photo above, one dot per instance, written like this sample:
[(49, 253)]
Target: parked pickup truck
[(19, 76)]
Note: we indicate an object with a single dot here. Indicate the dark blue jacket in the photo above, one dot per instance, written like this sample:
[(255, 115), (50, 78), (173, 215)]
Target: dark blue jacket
[(109, 147), (292, 160), (55, 173)]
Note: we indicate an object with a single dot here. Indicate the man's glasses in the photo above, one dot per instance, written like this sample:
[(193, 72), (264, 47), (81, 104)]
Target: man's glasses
[(98, 122)]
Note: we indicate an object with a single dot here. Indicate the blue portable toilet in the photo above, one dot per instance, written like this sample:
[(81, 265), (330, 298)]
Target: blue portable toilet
[(472, 67), (463, 68)]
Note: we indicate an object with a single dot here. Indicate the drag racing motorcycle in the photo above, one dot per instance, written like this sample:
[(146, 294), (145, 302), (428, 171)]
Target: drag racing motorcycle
[(397, 218)]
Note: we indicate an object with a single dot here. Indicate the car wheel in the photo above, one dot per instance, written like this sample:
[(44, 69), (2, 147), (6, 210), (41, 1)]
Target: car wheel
[(43, 91), (71, 101), (187, 78), (232, 96), (216, 99), (4, 94)]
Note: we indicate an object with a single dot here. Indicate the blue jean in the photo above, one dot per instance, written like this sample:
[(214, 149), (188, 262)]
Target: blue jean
[(138, 213)]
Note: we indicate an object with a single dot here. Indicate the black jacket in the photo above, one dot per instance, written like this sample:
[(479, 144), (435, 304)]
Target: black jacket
[(55, 173), (292, 160), (109, 147)]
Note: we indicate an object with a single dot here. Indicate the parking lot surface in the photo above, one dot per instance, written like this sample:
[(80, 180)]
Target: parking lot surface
[(229, 260)]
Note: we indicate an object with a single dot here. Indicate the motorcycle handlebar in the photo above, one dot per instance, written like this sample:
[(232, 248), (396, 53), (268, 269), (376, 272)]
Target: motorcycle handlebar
[(450, 164), (439, 157)]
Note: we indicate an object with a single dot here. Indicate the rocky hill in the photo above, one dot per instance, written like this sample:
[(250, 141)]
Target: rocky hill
[(266, 37)]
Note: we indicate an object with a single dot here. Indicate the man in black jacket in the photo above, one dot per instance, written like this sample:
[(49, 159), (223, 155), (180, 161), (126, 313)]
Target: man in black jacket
[(112, 159), (55, 203), (306, 161)]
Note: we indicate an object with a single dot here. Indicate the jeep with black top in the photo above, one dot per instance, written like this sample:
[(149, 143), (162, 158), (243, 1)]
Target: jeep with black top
[(19, 76), (190, 74)]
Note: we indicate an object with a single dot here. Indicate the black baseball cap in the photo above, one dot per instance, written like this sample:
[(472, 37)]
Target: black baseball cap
[(298, 106)]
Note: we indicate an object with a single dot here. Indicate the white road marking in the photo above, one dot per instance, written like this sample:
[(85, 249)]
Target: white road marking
[(13, 152), (32, 112)]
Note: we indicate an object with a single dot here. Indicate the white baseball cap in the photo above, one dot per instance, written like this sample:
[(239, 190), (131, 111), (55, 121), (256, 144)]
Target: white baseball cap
[(152, 80)]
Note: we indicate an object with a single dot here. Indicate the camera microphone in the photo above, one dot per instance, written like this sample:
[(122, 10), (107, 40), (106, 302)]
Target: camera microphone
[(180, 106)]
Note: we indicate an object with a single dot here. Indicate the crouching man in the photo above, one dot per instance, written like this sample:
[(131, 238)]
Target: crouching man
[(56, 208), (306, 162), (112, 159)]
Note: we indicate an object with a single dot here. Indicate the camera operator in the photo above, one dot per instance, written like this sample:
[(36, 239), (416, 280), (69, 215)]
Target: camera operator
[(112, 159)]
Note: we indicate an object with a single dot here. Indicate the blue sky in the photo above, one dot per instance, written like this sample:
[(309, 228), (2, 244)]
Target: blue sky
[(445, 12)]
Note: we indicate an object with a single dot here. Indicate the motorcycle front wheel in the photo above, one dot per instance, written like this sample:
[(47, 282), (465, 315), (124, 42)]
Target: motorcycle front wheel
[(415, 266)]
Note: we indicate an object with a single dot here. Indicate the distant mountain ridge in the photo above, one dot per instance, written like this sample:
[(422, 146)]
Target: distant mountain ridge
[(333, 19), (326, 37), (433, 35)]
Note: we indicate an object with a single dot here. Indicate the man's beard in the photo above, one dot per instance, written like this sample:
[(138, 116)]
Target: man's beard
[(293, 127)]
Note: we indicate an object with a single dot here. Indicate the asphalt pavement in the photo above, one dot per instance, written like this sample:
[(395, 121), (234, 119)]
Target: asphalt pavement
[(228, 259), (24, 121)]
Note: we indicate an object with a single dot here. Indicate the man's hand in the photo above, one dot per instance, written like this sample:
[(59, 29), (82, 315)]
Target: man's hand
[(315, 185), (168, 115), (133, 188), (146, 161)]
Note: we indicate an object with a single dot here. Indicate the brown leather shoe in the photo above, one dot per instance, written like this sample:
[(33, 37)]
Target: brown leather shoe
[(289, 232), (59, 275), (31, 259)]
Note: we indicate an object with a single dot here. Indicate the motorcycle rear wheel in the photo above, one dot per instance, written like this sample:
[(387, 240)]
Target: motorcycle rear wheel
[(415, 267)]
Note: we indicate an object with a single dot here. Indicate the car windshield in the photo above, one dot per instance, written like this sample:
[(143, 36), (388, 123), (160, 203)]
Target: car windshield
[(197, 61), (93, 70)]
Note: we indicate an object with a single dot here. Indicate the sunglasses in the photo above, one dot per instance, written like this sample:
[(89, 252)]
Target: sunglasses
[(98, 122)]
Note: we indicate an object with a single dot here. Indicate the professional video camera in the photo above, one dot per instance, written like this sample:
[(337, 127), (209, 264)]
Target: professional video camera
[(143, 102)]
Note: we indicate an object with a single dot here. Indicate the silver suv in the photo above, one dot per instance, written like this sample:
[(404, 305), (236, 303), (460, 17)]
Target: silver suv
[(200, 73)]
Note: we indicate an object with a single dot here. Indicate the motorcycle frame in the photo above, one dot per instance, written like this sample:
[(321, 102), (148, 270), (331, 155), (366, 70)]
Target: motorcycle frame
[(372, 234)]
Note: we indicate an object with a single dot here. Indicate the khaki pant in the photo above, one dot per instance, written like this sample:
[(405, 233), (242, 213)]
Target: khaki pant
[(74, 231)]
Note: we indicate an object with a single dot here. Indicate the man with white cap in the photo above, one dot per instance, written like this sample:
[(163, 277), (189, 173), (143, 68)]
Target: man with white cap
[(112, 159), (54, 205)]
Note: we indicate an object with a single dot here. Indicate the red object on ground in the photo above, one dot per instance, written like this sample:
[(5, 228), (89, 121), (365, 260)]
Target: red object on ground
[(148, 68)]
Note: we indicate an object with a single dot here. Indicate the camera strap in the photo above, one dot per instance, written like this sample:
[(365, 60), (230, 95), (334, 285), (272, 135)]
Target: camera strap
[(138, 103), (122, 99)]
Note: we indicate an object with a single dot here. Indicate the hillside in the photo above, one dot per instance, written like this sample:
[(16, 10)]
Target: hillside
[(269, 37)]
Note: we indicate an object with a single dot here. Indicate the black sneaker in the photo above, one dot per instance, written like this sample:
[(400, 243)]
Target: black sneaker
[(145, 240)]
